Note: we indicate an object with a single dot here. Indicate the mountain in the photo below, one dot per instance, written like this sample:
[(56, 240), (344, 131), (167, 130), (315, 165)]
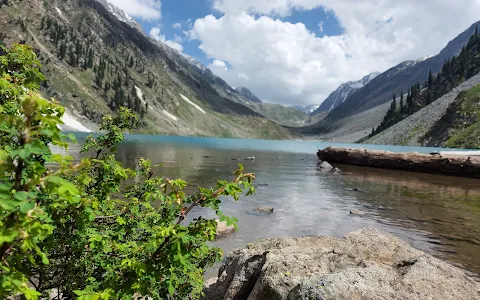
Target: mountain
[(282, 115), (459, 127), (247, 94), (339, 96), (307, 109), (380, 90), (96, 59), (120, 14), (450, 121)]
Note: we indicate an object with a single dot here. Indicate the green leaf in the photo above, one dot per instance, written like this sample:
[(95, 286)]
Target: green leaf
[(44, 257), (171, 288), (26, 206), (121, 221), (5, 187), (8, 204), (20, 196)]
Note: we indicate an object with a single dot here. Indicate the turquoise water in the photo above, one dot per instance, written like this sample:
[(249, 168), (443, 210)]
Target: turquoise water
[(437, 214), (290, 146)]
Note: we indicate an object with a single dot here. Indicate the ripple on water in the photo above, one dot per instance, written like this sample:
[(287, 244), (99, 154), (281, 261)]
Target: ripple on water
[(437, 214)]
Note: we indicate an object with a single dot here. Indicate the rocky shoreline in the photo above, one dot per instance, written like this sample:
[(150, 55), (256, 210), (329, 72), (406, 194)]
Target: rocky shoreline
[(434, 163), (365, 264)]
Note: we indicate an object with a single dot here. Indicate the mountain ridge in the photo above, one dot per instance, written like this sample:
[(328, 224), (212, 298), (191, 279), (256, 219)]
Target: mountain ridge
[(96, 62), (380, 90), (343, 91)]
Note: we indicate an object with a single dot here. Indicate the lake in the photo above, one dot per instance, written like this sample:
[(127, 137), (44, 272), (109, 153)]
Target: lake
[(437, 214)]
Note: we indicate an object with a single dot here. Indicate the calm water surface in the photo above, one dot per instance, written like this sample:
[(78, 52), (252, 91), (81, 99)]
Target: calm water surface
[(437, 214)]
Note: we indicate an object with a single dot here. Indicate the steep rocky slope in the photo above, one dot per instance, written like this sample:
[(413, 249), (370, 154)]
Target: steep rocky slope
[(397, 79), (96, 60), (247, 94), (339, 96), (411, 131), (308, 109), (280, 114), (460, 125)]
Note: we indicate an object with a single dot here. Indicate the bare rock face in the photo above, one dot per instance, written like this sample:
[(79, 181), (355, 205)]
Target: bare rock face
[(366, 264)]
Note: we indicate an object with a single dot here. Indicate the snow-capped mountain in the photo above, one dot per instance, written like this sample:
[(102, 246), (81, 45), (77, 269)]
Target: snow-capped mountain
[(308, 109), (343, 91), (120, 14)]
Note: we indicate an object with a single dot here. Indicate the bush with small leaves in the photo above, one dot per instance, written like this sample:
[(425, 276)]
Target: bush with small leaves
[(94, 229)]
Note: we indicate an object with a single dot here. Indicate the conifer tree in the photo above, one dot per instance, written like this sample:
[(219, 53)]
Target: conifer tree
[(62, 50), (430, 79)]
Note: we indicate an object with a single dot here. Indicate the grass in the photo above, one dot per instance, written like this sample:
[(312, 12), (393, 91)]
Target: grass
[(466, 124), (415, 133)]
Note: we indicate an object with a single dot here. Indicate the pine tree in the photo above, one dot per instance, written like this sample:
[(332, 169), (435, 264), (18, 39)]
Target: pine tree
[(90, 58), (401, 101), (72, 56), (78, 52), (430, 79), (429, 97), (62, 50), (106, 88)]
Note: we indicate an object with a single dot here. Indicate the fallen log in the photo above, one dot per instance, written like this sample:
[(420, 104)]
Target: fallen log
[(451, 164)]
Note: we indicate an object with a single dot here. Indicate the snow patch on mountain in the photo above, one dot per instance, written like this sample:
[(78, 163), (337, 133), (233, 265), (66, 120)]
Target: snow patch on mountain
[(139, 94), (120, 14), (70, 123), (193, 104), (174, 118)]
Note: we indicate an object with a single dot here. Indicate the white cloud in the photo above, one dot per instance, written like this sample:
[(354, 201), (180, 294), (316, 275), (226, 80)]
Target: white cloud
[(320, 26), (155, 33), (174, 45), (219, 64), (177, 26), (145, 9), (289, 64)]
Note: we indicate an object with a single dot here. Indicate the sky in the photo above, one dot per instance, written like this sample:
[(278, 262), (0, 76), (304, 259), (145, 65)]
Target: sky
[(296, 52)]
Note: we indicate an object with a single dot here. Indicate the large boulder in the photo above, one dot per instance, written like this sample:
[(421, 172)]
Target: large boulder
[(366, 264)]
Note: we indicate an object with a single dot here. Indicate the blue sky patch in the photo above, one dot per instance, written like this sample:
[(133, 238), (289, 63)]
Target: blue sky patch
[(179, 15)]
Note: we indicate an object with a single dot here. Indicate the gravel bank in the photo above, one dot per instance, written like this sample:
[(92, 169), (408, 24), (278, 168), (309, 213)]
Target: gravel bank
[(409, 131)]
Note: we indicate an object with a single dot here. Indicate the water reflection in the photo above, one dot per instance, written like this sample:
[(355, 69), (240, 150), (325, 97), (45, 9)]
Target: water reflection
[(437, 214)]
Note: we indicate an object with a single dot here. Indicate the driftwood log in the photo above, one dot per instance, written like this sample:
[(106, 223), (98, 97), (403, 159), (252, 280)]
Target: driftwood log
[(454, 165)]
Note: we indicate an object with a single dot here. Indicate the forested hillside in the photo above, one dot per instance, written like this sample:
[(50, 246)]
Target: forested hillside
[(454, 72), (95, 62)]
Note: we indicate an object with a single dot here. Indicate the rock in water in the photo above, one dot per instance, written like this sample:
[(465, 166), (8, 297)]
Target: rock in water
[(357, 212), (266, 210), (223, 229), (324, 165), (366, 264)]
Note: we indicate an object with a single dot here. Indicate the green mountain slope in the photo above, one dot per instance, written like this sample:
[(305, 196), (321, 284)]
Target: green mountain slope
[(95, 63), (460, 126), (454, 72)]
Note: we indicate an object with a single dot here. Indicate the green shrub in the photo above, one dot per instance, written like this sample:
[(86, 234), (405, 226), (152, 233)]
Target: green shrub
[(94, 229)]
